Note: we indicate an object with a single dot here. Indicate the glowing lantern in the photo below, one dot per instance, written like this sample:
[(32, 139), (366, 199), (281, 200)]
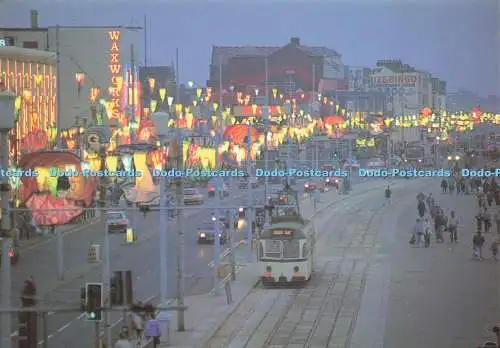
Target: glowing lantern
[(198, 92), (151, 83), (141, 166), (95, 163), (42, 178), (162, 92), (14, 181), (152, 105), (94, 93), (275, 92), (337, 107), (38, 79), (52, 185), (108, 105), (111, 163), (215, 106), (254, 109)]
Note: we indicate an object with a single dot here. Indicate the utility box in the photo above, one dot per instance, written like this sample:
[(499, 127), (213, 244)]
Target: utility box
[(94, 253), (7, 109), (165, 320)]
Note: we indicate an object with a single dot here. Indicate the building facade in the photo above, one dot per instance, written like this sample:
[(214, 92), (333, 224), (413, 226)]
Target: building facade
[(408, 90), (31, 75), (438, 104), (94, 65), (290, 68)]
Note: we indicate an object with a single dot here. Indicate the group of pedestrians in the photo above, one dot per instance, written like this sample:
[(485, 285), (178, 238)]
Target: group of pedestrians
[(432, 220), (145, 327)]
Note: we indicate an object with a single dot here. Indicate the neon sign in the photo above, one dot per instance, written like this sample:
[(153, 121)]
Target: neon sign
[(115, 68)]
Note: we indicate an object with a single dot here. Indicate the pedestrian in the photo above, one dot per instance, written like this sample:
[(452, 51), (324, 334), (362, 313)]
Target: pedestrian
[(489, 198), (495, 243), (137, 325), (453, 227), (418, 231), (477, 245), (388, 194), (153, 330), (479, 221), (487, 220), (427, 233), (123, 341), (444, 186)]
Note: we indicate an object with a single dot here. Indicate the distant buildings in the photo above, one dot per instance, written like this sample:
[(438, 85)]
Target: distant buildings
[(290, 68), (463, 100)]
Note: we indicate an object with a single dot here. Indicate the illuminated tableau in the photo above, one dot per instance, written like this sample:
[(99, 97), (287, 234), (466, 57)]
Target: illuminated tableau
[(50, 201)]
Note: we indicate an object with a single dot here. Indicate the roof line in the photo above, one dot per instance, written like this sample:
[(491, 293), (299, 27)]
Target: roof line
[(73, 27)]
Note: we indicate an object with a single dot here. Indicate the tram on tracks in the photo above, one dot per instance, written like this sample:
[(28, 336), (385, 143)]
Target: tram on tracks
[(287, 245)]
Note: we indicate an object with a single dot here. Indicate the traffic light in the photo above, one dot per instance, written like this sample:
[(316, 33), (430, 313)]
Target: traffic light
[(94, 301)]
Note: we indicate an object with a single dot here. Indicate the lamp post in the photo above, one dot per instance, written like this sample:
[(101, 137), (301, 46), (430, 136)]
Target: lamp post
[(6, 124), (79, 79)]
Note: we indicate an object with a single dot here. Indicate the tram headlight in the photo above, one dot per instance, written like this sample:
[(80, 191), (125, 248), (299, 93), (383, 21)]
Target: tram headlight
[(202, 235), (296, 269)]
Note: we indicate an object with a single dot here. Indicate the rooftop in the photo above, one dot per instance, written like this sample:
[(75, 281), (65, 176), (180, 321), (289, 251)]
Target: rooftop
[(28, 54), (221, 54), (395, 65)]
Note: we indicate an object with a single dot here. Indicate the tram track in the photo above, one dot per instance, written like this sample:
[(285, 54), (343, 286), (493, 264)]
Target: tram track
[(286, 308)]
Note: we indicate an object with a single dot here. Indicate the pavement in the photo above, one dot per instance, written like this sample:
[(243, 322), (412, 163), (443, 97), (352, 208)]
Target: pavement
[(207, 313), (371, 289)]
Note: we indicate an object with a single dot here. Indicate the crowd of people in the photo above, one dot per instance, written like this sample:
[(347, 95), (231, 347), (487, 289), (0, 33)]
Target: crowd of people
[(144, 325), (433, 221)]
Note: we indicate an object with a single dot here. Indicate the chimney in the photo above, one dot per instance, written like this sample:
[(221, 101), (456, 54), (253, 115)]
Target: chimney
[(295, 41), (34, 19)]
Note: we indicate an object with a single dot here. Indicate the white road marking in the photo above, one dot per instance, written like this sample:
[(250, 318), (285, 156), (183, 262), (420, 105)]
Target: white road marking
[(64, 326), (42, 341)]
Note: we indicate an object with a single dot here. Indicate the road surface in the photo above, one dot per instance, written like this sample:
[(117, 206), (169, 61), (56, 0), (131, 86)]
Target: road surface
[(141, 257), (372, 290)]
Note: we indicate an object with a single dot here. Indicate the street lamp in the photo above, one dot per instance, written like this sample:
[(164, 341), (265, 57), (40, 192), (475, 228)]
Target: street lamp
[(79, 79)]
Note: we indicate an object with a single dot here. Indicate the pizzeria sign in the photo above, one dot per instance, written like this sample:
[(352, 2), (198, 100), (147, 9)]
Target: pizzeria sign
[(400, 80)]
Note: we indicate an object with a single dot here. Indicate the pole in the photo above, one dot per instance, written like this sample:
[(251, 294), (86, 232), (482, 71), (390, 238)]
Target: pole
[(97, 336), (250, 193), (231, 241), (266, 150), (132, 73), (60, 240), (145, 40), (180, 204), (218, 190), (163, 242), (106, 275), (45, 330), (6, 276)]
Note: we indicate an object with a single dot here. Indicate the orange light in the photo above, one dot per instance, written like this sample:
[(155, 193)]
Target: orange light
[(115, 68)]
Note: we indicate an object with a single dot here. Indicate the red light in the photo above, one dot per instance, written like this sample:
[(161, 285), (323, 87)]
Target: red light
[(11, 253)]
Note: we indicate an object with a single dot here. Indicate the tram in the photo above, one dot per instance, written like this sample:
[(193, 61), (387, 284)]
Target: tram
[(287, 246)]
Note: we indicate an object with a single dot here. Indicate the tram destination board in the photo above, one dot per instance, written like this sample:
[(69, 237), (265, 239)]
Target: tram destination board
[(282, 233)]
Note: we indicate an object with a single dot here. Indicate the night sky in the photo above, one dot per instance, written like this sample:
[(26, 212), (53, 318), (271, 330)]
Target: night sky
[(457, 41)]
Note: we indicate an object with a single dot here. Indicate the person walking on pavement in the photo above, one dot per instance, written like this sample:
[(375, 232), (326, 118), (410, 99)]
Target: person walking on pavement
[(123, 341), (477, 245), (427, 233), (418, 232), (444, 186), (453, 223), (153, 331), (495, 243), (497, 221), (479, 221), (487, 220), (388, 194)]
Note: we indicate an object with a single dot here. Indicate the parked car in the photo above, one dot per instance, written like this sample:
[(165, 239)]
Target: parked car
[(192, 196), (117, 221)]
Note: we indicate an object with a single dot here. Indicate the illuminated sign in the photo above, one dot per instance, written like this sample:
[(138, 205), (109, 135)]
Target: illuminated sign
[(279, 233), (3, 42), (405, 80), (115, 69)]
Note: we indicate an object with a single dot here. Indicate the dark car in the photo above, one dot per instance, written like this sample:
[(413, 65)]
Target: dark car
[(207, 232), (309, 186), (333, 181), (117, 221)]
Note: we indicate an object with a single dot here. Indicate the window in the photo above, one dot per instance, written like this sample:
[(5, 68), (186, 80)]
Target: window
[(30, 44)]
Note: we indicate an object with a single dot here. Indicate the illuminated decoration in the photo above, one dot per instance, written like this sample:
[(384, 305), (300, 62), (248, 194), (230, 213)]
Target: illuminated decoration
[(196, 156), (237, 134), (79, 79), (49, 207), (95, 162), (151, 84), (35, 103), (152, 105), (127, 162), (115, 70), (255, 110), (170, 100), (163, 93), (198, 92), (94, 93), (14, 181), (158, 158), (35, 141), (363, 143), (111, 163), (144, 182)]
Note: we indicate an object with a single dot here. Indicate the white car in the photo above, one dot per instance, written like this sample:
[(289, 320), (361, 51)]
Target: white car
[(192, 196)]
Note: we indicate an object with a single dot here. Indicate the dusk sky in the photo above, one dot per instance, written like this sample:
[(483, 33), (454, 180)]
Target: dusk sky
[(457, 41)]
